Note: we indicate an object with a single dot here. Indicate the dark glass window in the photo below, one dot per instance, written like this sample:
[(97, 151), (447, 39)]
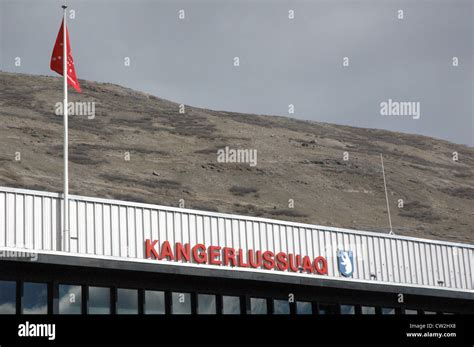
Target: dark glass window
[(180, 303), (388, 310), (258, 306), (35, 298), (99, 300), (281, 307), (230, 304), (154, 302), (206, 304), (127, 301), (7, 297), (328, 309), (304, 307), (70, 299), (367, 310), (347, 309)]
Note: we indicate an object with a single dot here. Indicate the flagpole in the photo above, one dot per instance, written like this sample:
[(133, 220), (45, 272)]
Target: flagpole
[(66, 177)]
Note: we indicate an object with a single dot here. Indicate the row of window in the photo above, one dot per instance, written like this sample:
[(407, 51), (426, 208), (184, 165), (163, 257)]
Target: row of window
[(32, 298)]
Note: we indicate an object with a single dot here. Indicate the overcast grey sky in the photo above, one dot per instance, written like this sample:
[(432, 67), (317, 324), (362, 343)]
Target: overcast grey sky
[(282, 61)]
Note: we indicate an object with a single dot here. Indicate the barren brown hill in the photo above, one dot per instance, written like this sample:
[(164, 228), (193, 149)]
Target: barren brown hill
[(173, 156)]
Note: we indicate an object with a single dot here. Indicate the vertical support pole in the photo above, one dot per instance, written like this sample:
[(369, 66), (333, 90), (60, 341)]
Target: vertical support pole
[(66, 140)]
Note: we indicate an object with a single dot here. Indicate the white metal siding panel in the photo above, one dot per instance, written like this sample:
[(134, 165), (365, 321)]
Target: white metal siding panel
[(371, 257), (214, 231), (138, 240), (3, 227), (388, 260), (452, 273), (440, 261), (395, 266), (19, 221), (284, 238), (90, 232), (29, 224), (98, 229), (248, 244), (447, 279), (235, 234), (199, 229), (263, 236), (383, 259), (424, 272), (303, 243), (318, 239), (365, 257), (221, 232), (271, 241), (296, 232), (170, 235), (10, 220), (434, 264), (107, 230), (358, 258), (416, 251), (311, 242), (468, 266), (46, 239), (276, 238), (242, 238), (228, 232), (412, 262), (331, 254), (257, 235)]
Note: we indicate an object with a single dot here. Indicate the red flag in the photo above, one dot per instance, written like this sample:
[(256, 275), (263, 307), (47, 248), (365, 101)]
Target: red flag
[(57, 59)]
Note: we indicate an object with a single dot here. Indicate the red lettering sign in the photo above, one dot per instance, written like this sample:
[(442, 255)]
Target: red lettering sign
[(228, 256), (150, 248)]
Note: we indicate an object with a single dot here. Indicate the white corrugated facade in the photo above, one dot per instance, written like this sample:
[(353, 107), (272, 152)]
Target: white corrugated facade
[(100, 227)]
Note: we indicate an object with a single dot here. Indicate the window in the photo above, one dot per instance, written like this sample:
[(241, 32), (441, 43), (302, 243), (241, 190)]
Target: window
[(230, 304), (281, 307), (127, 301), (154, 302), (99, 300), (180, 303), (410, 311), (7, 297), (70, 299), (328, 309), (347, 309), (304, 307), (258, 306), (367, 310), (388, 310), (35, 298), (206, 304)]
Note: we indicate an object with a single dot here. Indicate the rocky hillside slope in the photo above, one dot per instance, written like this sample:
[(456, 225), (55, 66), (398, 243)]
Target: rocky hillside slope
[(173, 156)]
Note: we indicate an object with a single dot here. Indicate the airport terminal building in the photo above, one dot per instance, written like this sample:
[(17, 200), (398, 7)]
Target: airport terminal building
[(132, 258)]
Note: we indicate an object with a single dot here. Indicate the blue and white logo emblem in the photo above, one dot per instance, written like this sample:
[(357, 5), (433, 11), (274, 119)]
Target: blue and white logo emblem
[(345, 262)]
